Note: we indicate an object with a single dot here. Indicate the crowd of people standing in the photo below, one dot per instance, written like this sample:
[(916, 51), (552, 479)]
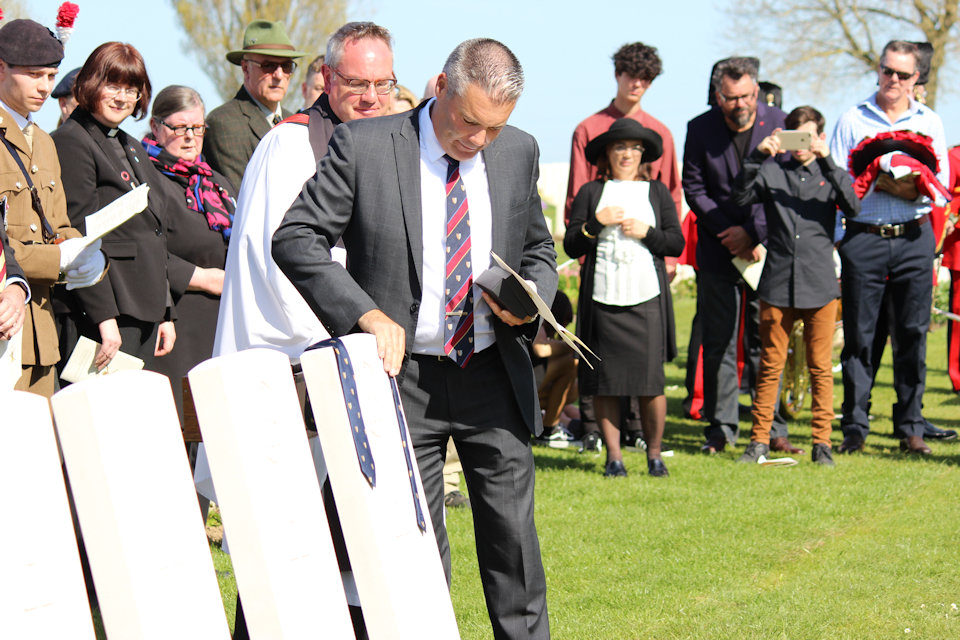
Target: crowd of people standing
[(266, 228)]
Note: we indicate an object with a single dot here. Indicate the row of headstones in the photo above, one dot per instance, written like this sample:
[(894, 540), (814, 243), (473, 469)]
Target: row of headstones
[(123, 451)]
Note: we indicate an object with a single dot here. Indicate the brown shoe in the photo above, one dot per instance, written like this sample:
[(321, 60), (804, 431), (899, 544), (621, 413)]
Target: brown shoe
[(783, 444), (915, 444), (851, 444)]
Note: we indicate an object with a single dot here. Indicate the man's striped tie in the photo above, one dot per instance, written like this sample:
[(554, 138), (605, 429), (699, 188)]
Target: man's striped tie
[(458, 319)]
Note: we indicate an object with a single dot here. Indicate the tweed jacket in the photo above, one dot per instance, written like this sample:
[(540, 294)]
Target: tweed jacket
[(367, 191), (40, 262), (235, 128)]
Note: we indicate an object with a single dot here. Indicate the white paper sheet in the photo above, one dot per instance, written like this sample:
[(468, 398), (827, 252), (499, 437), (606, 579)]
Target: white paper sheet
[(751, 271), (116, 213), (544, 310), (81, 365)]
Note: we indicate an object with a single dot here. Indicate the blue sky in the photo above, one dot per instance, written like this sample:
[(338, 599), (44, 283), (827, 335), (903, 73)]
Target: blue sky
[(565, 54)]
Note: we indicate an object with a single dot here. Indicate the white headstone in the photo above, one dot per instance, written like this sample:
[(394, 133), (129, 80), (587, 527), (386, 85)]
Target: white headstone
[(269, 496), (396, 566), (43, 594), (137, 508)]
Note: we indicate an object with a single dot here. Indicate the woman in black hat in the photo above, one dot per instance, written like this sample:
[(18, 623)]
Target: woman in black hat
[(625, 224)]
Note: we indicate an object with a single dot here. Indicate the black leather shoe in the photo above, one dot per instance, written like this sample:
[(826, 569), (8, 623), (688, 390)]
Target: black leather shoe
[(914, 444), (753, 452), (615, 469), (821, 454), (931, 432), (851, 444), (656, 468)]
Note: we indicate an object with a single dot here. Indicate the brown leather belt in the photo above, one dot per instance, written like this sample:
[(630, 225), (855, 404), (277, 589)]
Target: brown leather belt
[(889, 230)]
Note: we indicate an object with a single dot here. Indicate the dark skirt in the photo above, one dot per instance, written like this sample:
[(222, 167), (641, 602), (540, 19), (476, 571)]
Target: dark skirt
[(630, 343)]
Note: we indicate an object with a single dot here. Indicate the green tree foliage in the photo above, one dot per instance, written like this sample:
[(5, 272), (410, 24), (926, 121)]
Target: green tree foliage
[(821, 43), (214, 27)]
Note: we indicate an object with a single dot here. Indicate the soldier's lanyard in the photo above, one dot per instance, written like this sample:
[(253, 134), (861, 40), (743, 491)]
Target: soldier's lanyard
[(49, 237)]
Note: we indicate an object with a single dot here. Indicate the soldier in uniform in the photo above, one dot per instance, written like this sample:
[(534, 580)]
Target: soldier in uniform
[(32, 201)]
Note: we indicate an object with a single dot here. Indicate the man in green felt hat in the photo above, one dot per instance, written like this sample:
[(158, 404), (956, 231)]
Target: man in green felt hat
[(268, 60)]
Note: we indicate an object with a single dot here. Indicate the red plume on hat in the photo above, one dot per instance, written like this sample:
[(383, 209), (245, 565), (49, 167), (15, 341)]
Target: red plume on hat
[(66, 16)]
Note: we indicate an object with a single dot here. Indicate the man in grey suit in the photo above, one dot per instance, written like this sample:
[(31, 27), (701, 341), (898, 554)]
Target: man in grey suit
[(405, 192), (235, 128)]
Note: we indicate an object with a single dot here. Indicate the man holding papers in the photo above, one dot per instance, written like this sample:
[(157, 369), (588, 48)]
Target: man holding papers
[(47, 247)]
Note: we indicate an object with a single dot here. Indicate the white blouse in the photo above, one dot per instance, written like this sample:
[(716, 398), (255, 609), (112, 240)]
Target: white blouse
[(624, 274)]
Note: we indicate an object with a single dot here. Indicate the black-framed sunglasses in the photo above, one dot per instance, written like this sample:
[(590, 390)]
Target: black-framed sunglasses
[(180, 130), (902, 75), (270, 66)]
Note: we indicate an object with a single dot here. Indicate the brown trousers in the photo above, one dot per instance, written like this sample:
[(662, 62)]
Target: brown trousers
[(776, 323)]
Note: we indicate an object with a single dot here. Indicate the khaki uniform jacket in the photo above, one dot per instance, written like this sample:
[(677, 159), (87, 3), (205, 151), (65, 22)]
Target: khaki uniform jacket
[(40, 262)]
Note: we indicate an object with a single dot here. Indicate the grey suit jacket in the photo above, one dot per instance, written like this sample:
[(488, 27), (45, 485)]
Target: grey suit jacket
[(234, 131), (367, 191)]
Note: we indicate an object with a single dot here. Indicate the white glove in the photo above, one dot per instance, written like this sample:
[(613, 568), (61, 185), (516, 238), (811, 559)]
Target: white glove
[(72, 249), (86, 273)]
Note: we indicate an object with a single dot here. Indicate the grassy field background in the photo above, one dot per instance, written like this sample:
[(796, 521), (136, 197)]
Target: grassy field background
[(722, 550)]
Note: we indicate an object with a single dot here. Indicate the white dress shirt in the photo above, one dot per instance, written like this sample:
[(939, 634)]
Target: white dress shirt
[(624, 274), (428, 338)]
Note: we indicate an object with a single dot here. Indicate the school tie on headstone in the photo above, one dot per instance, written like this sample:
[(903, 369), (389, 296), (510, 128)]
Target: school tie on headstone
[(28, 135), (458, 316), (352, 402)]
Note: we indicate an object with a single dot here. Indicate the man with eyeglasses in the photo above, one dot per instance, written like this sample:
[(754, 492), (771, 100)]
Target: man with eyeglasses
[(259, 306), (888, 248), (717, 143), (268, 60)]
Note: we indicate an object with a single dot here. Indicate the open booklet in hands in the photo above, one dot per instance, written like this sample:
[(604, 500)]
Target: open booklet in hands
[(517, 296)]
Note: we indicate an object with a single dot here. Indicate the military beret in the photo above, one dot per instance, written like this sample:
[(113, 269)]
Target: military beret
[(64, 88), (25, 43)]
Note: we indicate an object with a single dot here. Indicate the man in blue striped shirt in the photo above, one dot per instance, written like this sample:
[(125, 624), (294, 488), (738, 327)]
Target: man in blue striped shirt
[(890, 246)]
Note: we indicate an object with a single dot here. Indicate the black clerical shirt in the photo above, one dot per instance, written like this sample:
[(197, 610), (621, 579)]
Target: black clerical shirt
[(800, 204)]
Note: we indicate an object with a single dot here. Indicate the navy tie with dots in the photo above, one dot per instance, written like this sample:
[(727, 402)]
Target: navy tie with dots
[(458, 286)]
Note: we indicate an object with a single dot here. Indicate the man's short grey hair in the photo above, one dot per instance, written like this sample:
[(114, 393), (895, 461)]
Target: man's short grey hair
[(903, 47), (354, 31), (734, 68), (489, 65), (174, 99)]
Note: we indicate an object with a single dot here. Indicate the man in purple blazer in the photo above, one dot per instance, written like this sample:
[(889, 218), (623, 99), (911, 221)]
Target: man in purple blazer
[(717, 142)]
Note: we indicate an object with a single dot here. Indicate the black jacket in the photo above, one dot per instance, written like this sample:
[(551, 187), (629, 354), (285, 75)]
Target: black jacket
[(666, 239), (142, 273)]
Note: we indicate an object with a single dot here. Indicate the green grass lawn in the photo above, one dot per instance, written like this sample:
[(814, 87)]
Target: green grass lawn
[(721, 550)]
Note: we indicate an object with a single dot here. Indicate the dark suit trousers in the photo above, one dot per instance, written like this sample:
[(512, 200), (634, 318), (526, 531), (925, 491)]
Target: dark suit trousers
[(901, 267), (476, 407)]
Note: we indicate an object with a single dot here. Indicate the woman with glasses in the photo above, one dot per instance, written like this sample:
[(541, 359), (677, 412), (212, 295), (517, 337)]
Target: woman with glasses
[(624, 224), (201, 229), (131, 309)]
